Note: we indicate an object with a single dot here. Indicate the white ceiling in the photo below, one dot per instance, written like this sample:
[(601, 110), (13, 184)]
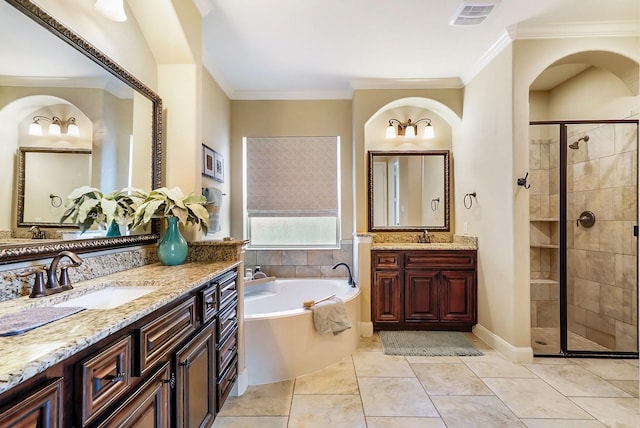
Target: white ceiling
[(326, 48)]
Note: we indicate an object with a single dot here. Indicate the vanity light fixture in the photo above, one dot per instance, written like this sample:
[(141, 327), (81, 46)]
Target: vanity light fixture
[(409, 129), (112, 9), (57, 126)]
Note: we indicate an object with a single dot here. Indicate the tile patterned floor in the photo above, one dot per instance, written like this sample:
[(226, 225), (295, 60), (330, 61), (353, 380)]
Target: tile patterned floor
[(370, 389)]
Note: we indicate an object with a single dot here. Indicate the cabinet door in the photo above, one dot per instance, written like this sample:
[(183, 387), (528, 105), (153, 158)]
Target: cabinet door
[(195, 380), (386, 297), (40, 409), (458, 297), (148, 407), (421, 295)]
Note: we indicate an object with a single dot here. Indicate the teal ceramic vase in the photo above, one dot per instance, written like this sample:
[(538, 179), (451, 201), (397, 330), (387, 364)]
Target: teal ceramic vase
[(172, 249), (114, 229)]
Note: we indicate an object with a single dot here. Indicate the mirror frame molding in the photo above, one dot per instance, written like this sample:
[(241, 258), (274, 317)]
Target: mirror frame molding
[(447, 196), (23, 252)]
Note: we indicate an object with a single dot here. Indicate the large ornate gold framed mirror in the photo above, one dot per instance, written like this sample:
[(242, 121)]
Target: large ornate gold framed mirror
[(40, 86), (408, 190)]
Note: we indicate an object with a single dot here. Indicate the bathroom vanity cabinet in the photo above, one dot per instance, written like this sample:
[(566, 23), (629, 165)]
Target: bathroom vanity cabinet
[(173, 367), (424, 289)]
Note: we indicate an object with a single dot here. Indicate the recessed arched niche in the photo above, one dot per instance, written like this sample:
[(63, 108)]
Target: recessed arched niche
[(409, 178)]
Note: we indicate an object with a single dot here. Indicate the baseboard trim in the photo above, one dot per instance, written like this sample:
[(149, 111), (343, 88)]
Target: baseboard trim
[(242, 383), (512, 353), (366, 329)]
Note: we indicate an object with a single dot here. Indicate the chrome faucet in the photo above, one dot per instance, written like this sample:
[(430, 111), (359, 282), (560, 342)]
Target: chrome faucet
[(55, 284), (351, 282)]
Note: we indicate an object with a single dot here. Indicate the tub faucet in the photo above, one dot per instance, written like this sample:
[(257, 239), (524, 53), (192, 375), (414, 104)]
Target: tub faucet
[(424, 238), (55, 285), (351, 281)]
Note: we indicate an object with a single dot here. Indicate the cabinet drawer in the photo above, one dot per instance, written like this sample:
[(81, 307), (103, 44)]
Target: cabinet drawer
[(41, 407), (227, 321), (386, 260), (228, 289), (461, 259), (156, 339), (227, 351), (104, 378), (225, 383), (208, 303)]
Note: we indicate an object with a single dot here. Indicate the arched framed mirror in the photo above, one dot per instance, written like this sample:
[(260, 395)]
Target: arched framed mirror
[(98, 88)]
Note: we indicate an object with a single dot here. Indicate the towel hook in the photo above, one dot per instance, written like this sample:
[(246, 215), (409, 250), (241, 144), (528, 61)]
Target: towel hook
[(470, 196), (523, 181)]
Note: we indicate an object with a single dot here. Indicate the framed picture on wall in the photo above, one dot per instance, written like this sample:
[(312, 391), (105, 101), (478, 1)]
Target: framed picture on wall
[(218, 167), (208, 162)]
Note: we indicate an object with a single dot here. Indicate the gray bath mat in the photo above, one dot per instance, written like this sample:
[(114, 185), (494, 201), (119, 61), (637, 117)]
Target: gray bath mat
[(427, 343)]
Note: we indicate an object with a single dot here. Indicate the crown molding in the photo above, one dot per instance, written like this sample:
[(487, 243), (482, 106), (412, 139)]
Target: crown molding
[(435, 83), (497, 47), (292, 95), (575, 29)]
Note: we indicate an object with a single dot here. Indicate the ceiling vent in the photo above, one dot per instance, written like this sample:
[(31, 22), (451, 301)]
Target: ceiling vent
[(472, 13)]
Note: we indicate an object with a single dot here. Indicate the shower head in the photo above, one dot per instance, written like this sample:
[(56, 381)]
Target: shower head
[(576, 145)]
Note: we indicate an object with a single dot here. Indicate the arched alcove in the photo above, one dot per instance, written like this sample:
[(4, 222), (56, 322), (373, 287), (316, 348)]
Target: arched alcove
[(583, 142)]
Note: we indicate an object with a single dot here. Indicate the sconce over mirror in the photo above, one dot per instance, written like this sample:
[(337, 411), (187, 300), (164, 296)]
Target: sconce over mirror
[(52, 76), (408, 190), (409, 129)]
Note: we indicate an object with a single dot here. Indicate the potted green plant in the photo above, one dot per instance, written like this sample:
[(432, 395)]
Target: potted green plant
[(173, 205), (87, 206)]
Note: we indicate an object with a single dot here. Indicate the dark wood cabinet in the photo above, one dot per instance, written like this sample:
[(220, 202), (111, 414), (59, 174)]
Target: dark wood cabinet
[(424, 289), (172, 368), (40, 408), (195, 368), (148, 406)]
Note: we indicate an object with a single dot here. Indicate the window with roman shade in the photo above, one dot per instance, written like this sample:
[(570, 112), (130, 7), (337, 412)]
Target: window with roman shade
[(292, 192)]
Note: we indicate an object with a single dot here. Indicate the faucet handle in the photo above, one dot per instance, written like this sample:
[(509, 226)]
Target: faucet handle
[(64, 277), (38, 289)]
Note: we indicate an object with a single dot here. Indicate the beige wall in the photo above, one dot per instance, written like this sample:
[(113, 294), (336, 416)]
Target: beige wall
[(484, 159), (216, 120), (291, 118)]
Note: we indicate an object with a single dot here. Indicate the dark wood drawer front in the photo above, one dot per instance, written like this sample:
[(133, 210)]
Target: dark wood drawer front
[(209, 303), (227, 322), (105, 377), (160, 336), (440, 259), (41, 408), (227, 351), (228, 289), (387, 260), (226, 381)]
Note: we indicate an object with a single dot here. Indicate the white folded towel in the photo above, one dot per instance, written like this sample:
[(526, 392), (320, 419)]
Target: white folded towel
[(331, 316)]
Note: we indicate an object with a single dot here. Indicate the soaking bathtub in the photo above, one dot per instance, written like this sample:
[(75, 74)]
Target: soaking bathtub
[(280, 339)]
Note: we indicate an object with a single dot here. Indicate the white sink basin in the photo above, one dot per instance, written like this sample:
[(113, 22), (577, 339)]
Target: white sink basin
[(107, 298)]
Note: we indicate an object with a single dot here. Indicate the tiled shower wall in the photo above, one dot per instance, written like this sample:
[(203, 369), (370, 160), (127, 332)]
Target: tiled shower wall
[(543, 226), (301, 263), (602, 285)]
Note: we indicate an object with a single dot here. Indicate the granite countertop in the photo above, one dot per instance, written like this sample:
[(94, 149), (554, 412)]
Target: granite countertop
[(27, 354), (419, 246)]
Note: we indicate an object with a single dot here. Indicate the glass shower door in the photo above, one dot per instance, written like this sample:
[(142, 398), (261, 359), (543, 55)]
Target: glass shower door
[(600, 187)]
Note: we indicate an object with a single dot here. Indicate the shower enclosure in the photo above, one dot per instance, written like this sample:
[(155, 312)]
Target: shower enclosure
[(583, 234)]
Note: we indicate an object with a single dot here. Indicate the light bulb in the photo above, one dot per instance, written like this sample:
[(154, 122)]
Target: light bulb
[(54, 129), (391, 131), (410, 131), (35, 128), (428, 131), (73, 130)]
